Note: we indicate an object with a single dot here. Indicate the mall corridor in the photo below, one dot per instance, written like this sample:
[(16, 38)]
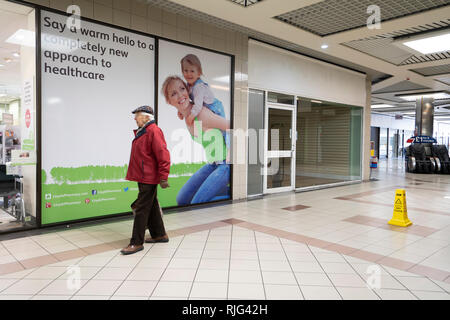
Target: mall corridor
[(277, 150), (313, 245)]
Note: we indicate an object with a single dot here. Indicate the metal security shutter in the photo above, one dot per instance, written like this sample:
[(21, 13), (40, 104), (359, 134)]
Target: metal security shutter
[(324, 141)]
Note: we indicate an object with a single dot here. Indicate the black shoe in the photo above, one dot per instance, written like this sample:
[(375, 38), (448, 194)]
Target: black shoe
[(164, 238)]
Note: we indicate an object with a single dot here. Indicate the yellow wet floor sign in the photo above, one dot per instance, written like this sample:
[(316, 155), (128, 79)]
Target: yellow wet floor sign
[(400, 217)]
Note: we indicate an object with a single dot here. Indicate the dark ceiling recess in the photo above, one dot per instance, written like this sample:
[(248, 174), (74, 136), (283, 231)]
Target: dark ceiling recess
[(401, 86), (381, 78), (334, 16), (245, 3)]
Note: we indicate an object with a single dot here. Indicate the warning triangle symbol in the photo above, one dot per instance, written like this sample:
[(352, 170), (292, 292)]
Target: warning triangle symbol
[(398, 201)]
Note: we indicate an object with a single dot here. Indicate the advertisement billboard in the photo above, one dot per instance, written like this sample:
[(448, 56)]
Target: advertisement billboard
[(194, 112), (92, 78)]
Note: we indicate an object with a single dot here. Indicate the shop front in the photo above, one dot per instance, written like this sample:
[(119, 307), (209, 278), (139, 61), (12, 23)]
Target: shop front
[(18, 143), (312, 116), (67, 89)]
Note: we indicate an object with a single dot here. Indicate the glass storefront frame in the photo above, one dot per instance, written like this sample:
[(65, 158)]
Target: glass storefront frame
[(279, 155), (294, 107), (28, 185)]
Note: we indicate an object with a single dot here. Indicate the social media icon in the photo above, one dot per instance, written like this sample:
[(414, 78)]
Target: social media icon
[(94, 192), (48, 196), (48, 205), (126, 189), (87, 201)]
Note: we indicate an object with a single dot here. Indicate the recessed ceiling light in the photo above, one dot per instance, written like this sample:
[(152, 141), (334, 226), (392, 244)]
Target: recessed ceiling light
[(23, 37), (429, 45), (324, 46), (16, 54), (434, 95)]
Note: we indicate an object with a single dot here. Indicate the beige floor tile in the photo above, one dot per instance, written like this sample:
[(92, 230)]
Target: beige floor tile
[(99, 288), (201, 290), (112, 273), (26, 287), (283, 292), (320, 293), (357, 293), (245, 276), (430, 295), (136, 288), (393, 294), (211, 275), (251, 291), (172, 289)]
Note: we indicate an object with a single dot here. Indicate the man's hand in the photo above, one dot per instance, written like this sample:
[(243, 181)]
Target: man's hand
[(190, 119), (164, 184), (180, 116)]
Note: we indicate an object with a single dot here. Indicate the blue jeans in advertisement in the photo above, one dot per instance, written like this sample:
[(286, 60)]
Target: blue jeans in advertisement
[(210, 183)]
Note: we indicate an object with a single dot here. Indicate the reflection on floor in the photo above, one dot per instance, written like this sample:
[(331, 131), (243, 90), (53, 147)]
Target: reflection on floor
[(325, 244), (304, 181), (8, 222)]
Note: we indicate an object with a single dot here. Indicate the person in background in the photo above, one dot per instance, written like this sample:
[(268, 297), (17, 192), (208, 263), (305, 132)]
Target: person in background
[(149, 166)]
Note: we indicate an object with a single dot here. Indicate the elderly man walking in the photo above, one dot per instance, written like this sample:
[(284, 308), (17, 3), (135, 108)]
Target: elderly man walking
[(149, 166)]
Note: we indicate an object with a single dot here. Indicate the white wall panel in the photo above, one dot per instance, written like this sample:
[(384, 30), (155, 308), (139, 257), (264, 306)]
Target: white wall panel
[(276, 69)]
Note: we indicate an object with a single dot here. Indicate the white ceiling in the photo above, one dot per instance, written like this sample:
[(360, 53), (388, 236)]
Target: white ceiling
[(361, 48)]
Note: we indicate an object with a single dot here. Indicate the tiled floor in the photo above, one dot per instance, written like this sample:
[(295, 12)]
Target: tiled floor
[(328, 244)]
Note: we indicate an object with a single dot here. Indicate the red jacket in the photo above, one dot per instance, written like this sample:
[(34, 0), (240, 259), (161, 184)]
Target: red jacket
[(150, 159)]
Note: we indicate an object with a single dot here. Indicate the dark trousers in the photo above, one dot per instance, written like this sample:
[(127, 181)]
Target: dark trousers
[(147, 214)]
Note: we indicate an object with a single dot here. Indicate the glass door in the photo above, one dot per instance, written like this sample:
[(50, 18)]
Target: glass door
[(280, 148)]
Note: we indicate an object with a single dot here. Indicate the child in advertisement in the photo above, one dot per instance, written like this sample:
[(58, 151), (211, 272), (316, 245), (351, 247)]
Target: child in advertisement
[(199, 92)]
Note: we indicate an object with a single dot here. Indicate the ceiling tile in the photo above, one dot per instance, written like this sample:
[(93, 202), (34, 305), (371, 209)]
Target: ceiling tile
[(334, 16), (401, 86)]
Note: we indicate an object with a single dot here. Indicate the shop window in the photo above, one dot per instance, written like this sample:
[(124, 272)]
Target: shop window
[(17, 126), (329, 143)]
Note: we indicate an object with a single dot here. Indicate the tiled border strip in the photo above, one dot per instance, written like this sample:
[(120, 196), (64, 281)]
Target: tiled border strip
[(429, 272), (354, 198), (296, 207), (85, 251), (382, 224)]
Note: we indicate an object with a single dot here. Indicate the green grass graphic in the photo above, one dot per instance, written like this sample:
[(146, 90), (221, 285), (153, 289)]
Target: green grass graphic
[(62, 175), (83, 191), (88, 173), (68, 189)]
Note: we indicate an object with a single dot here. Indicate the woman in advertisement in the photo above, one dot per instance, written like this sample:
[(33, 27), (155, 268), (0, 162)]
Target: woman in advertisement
[(211, 182)]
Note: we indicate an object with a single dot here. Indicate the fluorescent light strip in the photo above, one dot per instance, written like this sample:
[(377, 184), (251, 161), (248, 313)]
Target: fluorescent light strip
[(437, 95), (23, 37), (382, 106), (431, 44)]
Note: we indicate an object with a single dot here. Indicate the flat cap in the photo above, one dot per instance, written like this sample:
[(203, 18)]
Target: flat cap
[(146, 109)]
